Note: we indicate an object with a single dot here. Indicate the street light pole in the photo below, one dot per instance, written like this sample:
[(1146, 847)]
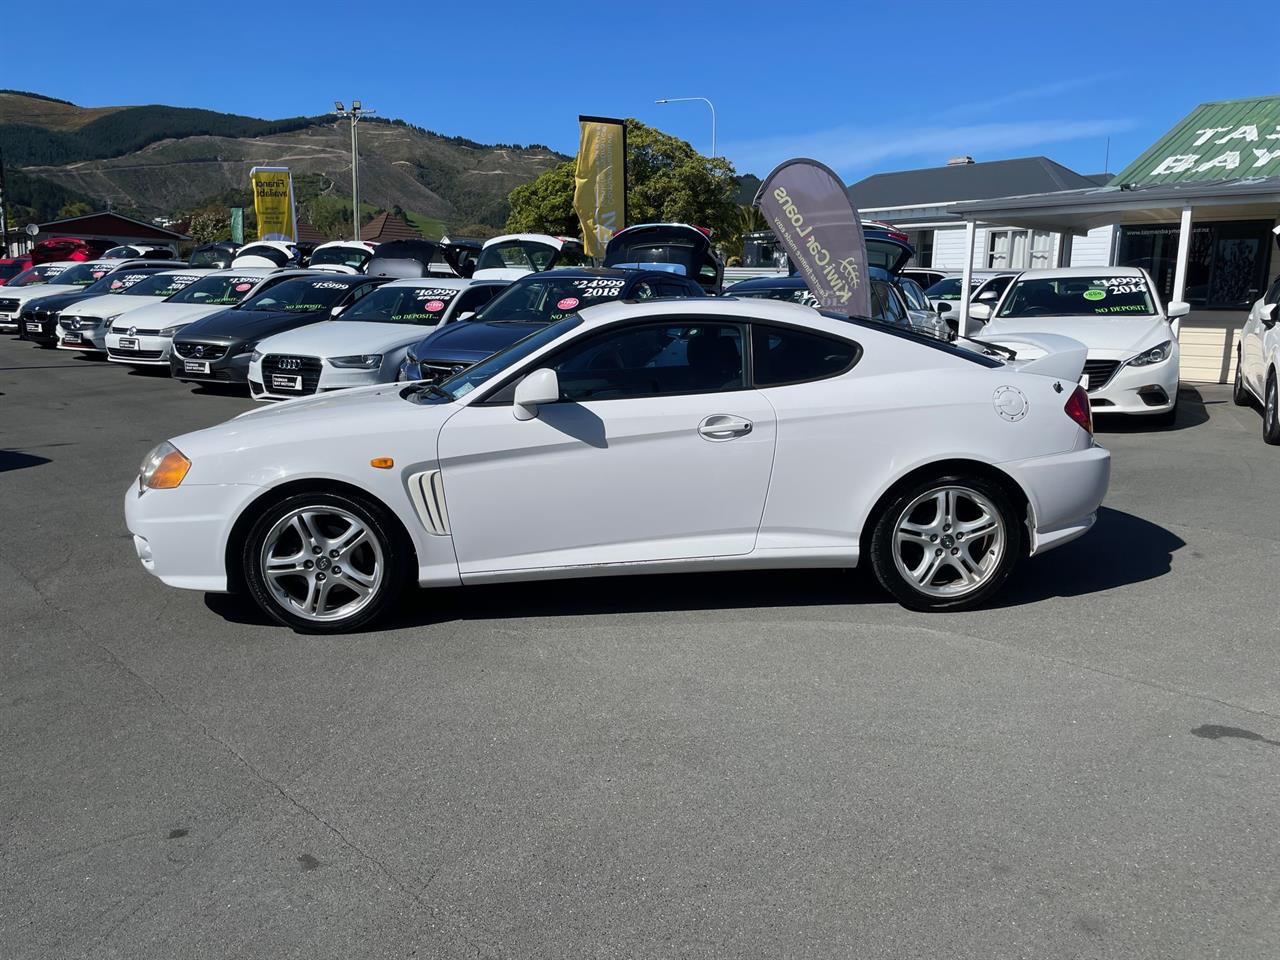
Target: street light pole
[(354, 114), (713, 115)]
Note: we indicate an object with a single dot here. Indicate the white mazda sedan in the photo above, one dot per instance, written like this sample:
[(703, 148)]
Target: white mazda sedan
[(365, 343), (639, 437), (1132, 366)]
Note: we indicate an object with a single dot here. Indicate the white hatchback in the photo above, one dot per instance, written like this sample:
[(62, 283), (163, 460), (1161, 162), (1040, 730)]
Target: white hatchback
[(639, 437), (367, 342), (1258, 362), (1133, 343)]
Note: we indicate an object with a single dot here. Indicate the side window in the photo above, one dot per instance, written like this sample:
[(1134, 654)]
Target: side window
[(885, 304), (651, 360), (643, 291), (1273, 295), (782, 355), (669, 288), (358, 294), (475, 298)]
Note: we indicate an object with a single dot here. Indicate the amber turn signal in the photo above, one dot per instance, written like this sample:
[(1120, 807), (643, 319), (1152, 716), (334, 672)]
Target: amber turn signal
[(382, 463), (169, 471)]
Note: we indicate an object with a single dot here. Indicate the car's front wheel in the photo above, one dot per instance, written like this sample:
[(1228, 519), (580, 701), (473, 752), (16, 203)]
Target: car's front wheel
[(325, 562), (947, 543), (1239, 395)]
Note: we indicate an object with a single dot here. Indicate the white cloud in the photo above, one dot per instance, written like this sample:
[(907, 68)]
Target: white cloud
[(848, 148)]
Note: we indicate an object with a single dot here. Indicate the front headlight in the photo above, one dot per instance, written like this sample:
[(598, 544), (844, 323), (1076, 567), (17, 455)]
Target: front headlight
[(256, 356), (410, 357), (163, 468), (1154, 355), (170, 331), (364, 361), (247, 348)]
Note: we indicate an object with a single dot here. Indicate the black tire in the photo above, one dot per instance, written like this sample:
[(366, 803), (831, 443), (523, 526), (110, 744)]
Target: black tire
[(1239, 395), (1271, 413), (884, 544), (392, 557)]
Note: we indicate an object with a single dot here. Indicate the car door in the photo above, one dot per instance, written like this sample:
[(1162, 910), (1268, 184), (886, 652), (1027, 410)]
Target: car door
[(1253, 342), (657, 450)]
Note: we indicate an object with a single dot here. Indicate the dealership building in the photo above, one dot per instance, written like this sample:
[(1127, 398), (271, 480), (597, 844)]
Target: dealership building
[(1197, 209)]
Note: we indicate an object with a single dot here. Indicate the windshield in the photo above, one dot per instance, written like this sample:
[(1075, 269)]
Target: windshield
[(216, 291), (37, 275), (152, 284), (1078, 297), (344, 256), (420, 305), (800, 295), (83, 274), (948, 288), (548, 299), (213, 257), (517, 255), (303, 295), (8, 270), (459, 385)]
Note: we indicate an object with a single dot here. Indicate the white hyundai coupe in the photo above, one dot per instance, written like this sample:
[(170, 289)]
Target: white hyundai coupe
[(639, 437)]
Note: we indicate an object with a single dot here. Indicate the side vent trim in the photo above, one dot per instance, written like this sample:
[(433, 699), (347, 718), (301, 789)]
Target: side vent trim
[(426, 490)]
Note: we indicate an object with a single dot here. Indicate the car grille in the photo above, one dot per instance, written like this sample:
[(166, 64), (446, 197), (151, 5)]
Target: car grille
[(440, 370), (138, 332), (35, 321), (289, 366), (80, 323), (1100, 372), (8, 306), (135, 354), (200, 351)]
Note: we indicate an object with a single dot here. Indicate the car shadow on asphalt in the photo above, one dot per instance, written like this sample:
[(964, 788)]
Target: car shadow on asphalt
[(18, 460), (1121, 549), (1191, 413)]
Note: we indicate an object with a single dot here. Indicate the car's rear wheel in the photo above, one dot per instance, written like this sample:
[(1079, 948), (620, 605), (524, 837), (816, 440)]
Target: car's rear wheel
[(325, 562), (947, 543), (1271, 413)]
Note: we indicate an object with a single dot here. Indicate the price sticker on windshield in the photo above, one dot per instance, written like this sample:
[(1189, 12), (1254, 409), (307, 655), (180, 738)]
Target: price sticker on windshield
[(568, 303), (433, 306), (243, 287)]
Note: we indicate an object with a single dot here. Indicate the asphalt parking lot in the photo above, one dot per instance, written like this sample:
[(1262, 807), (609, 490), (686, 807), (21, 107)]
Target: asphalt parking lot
[(748, 765)]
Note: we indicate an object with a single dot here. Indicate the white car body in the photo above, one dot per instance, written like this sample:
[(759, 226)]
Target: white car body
[(145, 336), (84, 326), (246, 256), (344, 338), (1114, 382), (20, 295), (778, 476), (1258, 359)]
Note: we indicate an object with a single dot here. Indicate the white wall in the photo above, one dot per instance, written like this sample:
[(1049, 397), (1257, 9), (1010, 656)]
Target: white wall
[(1093, 250)]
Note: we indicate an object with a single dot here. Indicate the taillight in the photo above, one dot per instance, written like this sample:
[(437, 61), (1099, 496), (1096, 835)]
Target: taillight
[(1077, 408)]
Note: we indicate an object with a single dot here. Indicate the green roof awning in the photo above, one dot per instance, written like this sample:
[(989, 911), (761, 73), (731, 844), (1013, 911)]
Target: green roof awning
[(1227, 140)]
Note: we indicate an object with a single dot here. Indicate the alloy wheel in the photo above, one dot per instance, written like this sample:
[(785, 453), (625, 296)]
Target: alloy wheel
[(949, 541), (322, 563)]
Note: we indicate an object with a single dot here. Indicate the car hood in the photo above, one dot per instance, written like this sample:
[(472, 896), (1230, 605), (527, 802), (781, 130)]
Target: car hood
[(336, 338), (472, 340), (234, 324), (162, 314), (1122, 335), (109, 305), (23, 294), (56, 302)]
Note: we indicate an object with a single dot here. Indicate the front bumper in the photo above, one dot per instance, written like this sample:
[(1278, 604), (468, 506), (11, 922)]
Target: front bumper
[(89, 340), (265, 386), (180, 535), (139, 350), (225, 369), (38, 328), (1149, 389), (1064, 492)]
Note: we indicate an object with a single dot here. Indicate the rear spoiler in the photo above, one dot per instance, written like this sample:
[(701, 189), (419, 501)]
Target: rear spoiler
[(1044, 354)]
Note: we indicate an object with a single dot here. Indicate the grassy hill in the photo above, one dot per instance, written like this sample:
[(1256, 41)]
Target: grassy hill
[(160, 160)]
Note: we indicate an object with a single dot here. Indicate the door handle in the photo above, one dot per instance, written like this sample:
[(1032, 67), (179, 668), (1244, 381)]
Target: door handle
[(721, 426)]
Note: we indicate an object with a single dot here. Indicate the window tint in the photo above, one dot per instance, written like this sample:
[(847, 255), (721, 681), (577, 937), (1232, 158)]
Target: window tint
[(915, 296), (475, 298), (782, 355), (886, 307), (658, 359)]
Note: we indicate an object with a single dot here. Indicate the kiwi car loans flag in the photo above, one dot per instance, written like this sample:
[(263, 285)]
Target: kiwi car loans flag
[(600, 181), (810, 213), (273, 203)]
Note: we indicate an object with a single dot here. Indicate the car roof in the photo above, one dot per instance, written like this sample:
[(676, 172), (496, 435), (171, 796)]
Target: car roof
[(443, 283), (240, 272), (602, 272), (1135, 272)]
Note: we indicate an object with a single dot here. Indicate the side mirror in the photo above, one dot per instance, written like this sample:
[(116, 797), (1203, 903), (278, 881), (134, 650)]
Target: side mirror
[(943, 307), (465, 315), (541, 386), (336, 311), (1178, 308), (980, 312), (1267, 314)]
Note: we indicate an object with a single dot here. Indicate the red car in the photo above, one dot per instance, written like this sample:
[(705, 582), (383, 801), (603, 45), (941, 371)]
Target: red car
[(10, 267), (69, 248)]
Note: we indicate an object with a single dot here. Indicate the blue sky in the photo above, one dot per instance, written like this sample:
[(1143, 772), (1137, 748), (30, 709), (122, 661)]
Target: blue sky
[(864, 87)]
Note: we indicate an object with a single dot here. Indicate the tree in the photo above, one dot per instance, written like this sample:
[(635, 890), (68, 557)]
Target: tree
[(210, 226), (75, 208), (667, 180), (746, 219)]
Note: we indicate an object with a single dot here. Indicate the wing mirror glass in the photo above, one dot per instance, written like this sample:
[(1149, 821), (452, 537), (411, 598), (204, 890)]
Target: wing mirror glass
[(541, 386), (466, 315), (1178, 308)]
